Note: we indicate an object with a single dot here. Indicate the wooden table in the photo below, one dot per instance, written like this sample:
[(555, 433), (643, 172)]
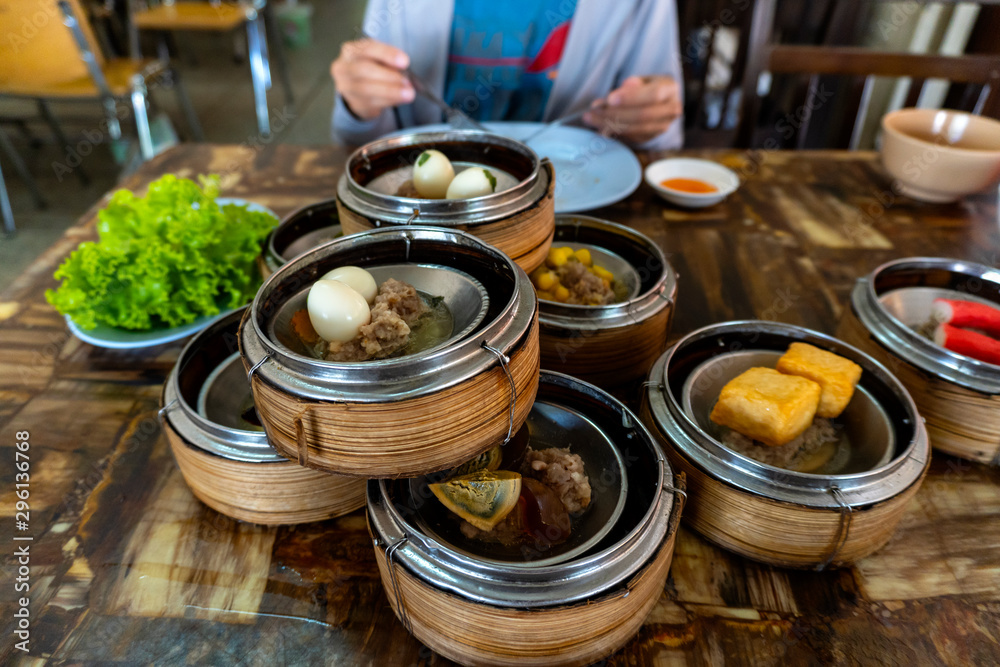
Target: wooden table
[(127, 566)]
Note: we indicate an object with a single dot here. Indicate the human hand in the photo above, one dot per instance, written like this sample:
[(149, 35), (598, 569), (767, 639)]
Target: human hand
[(642, 108), (368, 76)]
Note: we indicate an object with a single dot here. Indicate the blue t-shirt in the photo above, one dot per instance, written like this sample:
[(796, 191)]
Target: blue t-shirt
[(504, 56)]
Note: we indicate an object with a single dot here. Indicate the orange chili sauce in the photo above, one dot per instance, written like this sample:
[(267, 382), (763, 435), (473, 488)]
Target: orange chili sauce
[(691, 185)]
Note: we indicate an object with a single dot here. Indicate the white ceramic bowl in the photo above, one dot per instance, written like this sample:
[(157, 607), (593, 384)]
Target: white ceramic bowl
[(939, 155), (724, 179)]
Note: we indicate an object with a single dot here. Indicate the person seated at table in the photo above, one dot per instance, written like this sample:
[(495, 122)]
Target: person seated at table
[(515, 60)]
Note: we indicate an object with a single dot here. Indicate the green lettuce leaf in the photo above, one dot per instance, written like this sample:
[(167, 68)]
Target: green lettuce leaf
[(163, 260)]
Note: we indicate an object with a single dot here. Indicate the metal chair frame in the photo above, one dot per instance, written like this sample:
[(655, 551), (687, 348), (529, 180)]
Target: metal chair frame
[(259, 16), (138, 95)]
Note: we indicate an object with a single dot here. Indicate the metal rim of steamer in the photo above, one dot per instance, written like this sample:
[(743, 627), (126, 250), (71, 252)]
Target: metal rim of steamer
[(182, 417), (393, 210), (312, 217), (533, 587), (662, 293), (392, 379), (835, 492), (906, 343)]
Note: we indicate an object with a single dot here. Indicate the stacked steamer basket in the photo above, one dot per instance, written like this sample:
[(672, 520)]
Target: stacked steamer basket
[(303, 230), (958, 396), (614, 344), (518, 218), (404, 416), (528, 606), (225, 458), (833, 516), (407, 421)]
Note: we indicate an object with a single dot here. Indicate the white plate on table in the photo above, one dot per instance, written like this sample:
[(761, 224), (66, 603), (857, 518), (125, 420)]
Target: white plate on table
[(124, 339), (591, 171)]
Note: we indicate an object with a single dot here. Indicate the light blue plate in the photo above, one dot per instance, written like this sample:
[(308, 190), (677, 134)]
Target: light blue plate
[(123, 339), (591, 171)]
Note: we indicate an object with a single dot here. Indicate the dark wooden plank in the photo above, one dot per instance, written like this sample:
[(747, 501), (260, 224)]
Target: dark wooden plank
[(855, 61)]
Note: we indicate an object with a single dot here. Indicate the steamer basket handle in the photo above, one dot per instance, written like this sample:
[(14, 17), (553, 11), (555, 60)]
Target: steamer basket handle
[(390, 558), (256, 367), (504, 361), (846, 514), (162, 412)]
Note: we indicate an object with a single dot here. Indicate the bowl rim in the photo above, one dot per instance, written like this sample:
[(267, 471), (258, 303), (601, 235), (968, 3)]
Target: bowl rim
[(663, 290), (544, 586), (857, 489), (909, 111), (907, 344), (724, 191)]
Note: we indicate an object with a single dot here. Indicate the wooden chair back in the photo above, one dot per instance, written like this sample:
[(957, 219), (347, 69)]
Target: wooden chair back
[(38, 49), (710, 99), (980, 74)]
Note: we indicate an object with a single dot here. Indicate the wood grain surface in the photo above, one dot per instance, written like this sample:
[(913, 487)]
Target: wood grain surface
[(128, 566)]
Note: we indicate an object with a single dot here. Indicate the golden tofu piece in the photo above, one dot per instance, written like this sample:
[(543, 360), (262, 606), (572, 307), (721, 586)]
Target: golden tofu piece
[(835, 374), (766, 405)]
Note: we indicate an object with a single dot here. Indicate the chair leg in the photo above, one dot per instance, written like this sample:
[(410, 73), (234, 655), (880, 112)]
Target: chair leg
[(46, 111), (185, 103), (259, 74), (278, 47), (22, 170), (5, 211), (142, 118)]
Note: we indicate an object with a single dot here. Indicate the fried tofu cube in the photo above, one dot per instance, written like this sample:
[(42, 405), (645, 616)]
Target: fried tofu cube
[(836, 375), (766, 405)]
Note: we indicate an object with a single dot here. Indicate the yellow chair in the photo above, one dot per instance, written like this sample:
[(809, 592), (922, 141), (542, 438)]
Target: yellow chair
[(217, 16), (51, 54)]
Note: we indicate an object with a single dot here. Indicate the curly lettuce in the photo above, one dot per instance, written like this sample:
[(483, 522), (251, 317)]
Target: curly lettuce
[(163, 260)]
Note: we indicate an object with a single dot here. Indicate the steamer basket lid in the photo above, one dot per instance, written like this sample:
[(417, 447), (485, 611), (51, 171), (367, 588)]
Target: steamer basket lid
[(656, 280), (473, 146), (839, 492), (511, 310), (634, 540), (924, 278), (208, 381)]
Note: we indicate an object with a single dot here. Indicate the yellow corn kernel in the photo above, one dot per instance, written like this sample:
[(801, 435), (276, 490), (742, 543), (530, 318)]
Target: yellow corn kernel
[(583, 256), (562, 293), (547, 281), (601, 272), (559, 256), (545, 296)]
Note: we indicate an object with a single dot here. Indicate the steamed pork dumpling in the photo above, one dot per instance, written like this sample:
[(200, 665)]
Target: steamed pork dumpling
[(432, 174), (336, 310), (360, 280), (473, 182)]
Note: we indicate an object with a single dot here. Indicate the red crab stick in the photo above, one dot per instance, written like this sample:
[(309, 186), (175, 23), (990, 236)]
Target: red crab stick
[(969, 343), (967, 314)]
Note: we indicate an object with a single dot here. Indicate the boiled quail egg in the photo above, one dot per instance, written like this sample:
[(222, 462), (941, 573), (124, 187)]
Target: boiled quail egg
[(472, 182), (432, 174), (337, 311), (357, 278)]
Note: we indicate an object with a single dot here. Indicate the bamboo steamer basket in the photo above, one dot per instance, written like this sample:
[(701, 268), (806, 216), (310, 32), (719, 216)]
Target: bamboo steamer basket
[(477, 612), (769, 514), (405, 416), (959, 397), (228, 466), (519, 218), (303, 230), (615, 344)]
